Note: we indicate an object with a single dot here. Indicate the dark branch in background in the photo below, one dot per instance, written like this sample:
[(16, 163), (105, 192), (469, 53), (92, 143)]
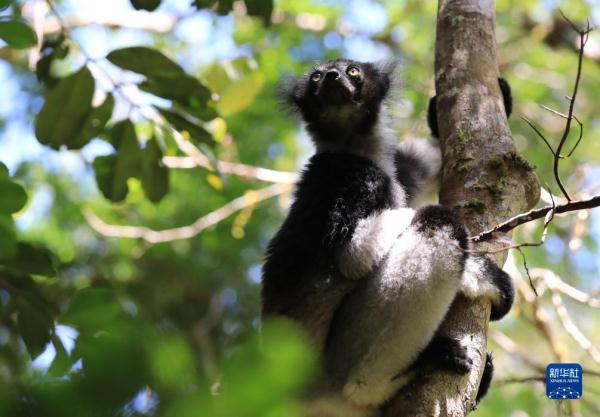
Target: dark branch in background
[(569, 117), (583, 38)]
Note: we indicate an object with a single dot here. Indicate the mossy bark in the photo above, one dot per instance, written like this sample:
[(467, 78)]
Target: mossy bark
[(474, 134)]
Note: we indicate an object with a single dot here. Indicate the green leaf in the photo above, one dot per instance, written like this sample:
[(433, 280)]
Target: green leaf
[(240, 94), (12, 196), (3, 171), (8, 237), (61, 362), (146, 61), (155, 176), (184, 124), (17, 34), (224, 7), (113, 171), (35, 327), (203, 4), (149, 5), (66, 110), (260, 8), (4, 4), (34, 259), (91, 308), (193, 96), (95, 123)]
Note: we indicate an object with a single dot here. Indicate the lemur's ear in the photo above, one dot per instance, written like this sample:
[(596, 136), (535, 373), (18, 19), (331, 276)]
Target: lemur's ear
[(389, 71), (291, 91)]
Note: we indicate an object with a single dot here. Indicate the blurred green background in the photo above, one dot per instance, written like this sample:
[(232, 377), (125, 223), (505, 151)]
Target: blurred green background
[(97, 325)]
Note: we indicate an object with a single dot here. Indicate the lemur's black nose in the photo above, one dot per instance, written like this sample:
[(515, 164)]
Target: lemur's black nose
[(332, 74)]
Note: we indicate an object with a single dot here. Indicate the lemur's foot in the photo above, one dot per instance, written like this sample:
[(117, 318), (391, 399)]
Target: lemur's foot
[(444, 352), (431, 219), (432, 109)]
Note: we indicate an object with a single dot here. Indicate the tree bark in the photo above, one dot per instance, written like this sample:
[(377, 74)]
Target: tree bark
[(482, 176)]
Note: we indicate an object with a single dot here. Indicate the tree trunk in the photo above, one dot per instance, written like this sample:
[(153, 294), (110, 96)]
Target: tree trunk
[(482, 176)]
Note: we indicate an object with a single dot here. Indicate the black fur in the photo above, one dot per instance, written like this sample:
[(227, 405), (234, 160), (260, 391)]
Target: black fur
[(336, 87), (433, 217), (432, 108), (335, 191), (486, 378), (411, 172), (503, 282), (444, 352)]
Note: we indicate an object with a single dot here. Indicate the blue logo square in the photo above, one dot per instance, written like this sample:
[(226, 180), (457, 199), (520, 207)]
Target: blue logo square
[(564, 381)]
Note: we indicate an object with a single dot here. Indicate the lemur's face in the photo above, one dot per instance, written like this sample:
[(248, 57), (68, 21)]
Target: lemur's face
[(341, 94)]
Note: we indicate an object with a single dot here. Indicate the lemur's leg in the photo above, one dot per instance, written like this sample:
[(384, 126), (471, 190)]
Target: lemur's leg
[(432, 109), (371, 241), (383, 325), (483, 278)]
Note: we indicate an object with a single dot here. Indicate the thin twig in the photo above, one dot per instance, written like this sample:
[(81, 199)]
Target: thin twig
[(572, 328), (583, 37), (250, 198), (536, 214), (242, 170), (539, 133)]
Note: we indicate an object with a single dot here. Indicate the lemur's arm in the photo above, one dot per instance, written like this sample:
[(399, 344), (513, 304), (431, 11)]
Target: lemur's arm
[(432, 110)]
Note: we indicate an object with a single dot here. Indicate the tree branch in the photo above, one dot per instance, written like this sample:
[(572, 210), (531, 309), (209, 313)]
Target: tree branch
[(241, 170), (536, 214), (250, 198)]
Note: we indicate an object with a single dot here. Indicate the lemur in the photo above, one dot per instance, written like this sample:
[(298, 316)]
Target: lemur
[(367, 277)]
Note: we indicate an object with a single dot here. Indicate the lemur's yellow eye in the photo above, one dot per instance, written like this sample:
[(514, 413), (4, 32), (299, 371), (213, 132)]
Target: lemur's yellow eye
[(353, 72), (316, 77)]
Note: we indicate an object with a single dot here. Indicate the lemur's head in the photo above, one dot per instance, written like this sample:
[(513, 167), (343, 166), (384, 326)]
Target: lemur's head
[(340, 96)]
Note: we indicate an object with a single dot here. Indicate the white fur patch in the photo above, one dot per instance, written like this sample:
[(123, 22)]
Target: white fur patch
[(474, 283), (372, 240)]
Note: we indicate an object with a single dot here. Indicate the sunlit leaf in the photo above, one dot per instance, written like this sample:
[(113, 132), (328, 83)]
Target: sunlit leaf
[(155, 176), (12, 196), (17, 33), (240, 94), (35, 326), (91, 308), (66, 110), (146, 61), (184, 124), (149, 5)]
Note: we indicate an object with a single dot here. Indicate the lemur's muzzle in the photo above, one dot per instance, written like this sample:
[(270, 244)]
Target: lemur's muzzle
[(335, 89)]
